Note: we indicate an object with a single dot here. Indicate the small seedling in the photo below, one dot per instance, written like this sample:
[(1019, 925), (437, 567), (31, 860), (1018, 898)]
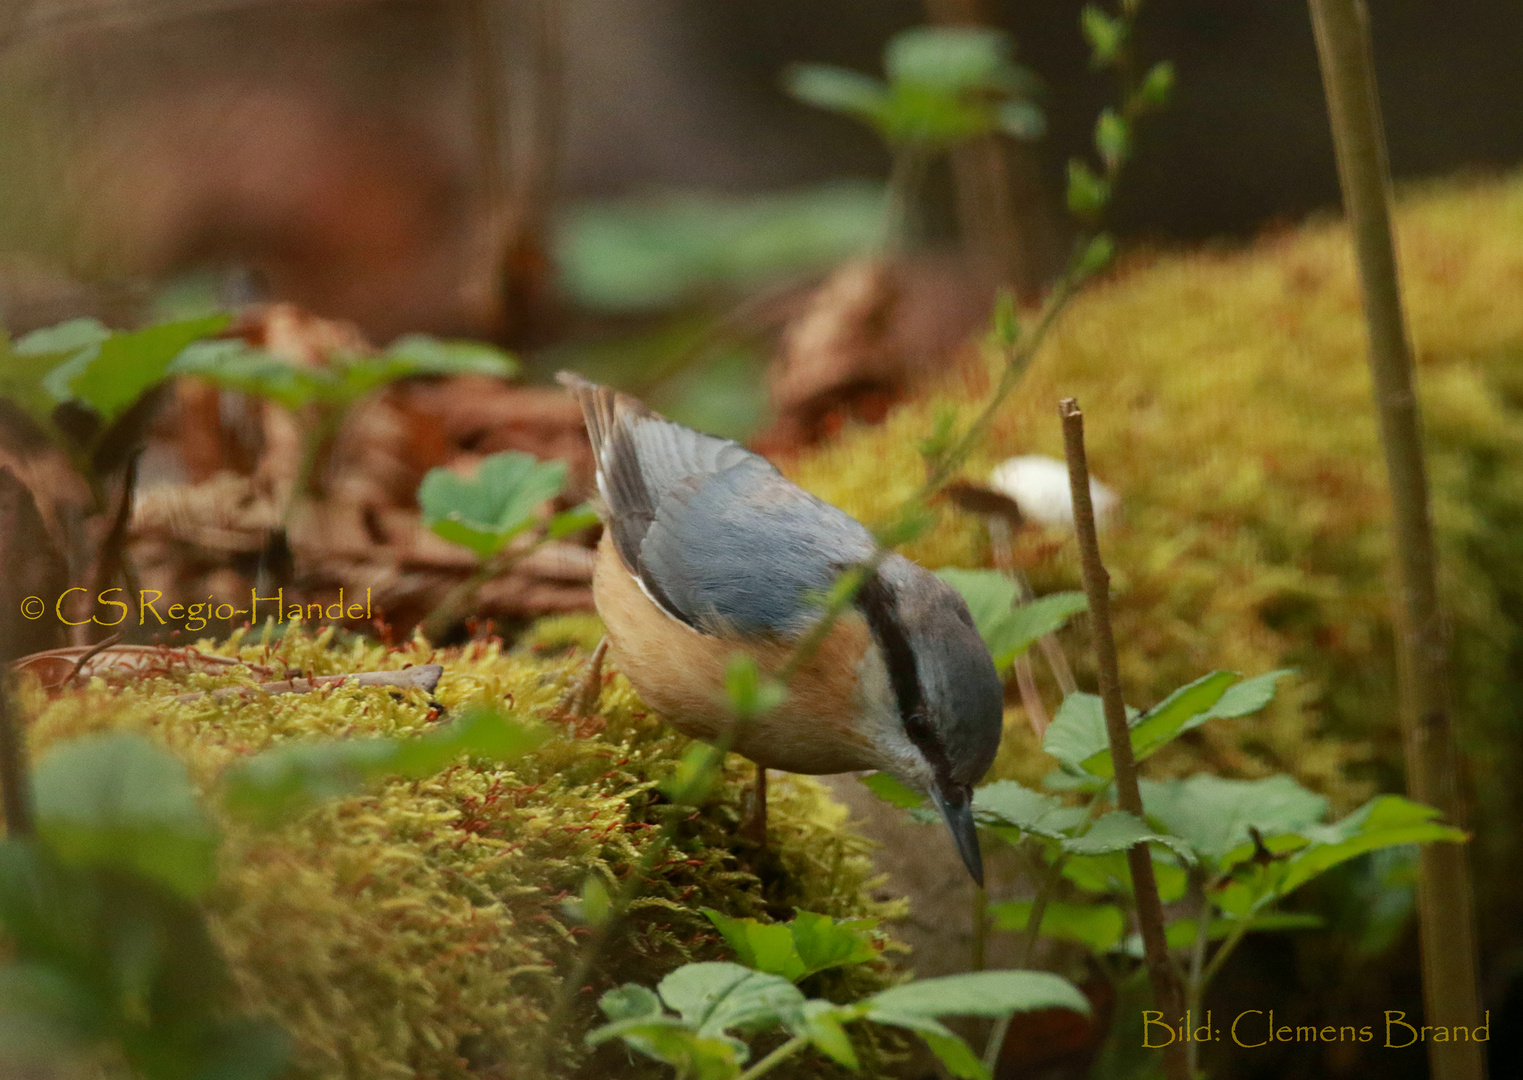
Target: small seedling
[(487, 512)]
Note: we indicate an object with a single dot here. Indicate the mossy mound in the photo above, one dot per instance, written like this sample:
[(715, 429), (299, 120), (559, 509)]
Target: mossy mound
[(1227, 399), (419, 930)]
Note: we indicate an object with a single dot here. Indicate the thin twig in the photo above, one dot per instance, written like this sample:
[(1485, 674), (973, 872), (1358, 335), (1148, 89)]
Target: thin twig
[(1167, 993), (112, 559), (1444, 898), (1196, 986), (423, 677), (15, 783)]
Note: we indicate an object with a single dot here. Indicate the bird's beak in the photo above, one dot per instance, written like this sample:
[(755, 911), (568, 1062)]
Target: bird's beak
[(957, 812)]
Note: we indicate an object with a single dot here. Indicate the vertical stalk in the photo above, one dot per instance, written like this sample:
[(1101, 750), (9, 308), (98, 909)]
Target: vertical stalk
[(1445, 905), (14, 782), (1167, 993)]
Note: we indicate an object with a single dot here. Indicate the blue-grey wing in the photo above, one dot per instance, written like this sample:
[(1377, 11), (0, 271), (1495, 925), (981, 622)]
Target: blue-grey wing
[(715, 534), (746, 551)]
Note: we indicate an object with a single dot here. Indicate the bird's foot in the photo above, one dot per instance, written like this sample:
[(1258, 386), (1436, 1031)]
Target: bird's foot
[(581, 701)]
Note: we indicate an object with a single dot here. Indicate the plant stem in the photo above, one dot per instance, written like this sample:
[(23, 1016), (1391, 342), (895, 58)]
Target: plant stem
[(15, 784), (1444, 898), (1196, 984), (1167, 993), (980, 958), (1224, 950), (777, 1057)]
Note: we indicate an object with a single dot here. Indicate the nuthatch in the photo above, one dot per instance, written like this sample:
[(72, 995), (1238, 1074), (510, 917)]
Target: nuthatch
[(709, 551)]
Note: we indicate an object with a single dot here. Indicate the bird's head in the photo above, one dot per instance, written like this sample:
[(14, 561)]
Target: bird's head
[(948, 700)]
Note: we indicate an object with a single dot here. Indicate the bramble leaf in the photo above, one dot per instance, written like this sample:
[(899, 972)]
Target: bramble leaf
[(1098, 927)]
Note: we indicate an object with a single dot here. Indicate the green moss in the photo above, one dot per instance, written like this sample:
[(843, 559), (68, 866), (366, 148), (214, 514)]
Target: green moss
[(1227, 399), (418, 930)]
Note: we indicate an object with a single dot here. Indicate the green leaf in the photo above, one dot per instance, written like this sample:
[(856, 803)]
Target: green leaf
[(1118, 831), (1098, 254), (1097, 927), (836, 89), (1158, 85), (714, 997), (65, 339), (287, 779), (749, 692), (45, 1015), (1077, 732), (630, 1001), (1164, 721), (692, 782), (1113, 139), (1242, 699), (892, 791), (569, 522), (121, 368), (1385, 821), (596, 904), (1005, 324), (1087, 192), (822, 1023), (979, 993), (953, 59), (487, 511), (666, 1039), (1104, 33), (1014, 806), (430, 356), (950, 1050), (1007, 629), (121, 801), (822, 943), (1214, 814), (765, 947), (1181, 933), (805, 944)]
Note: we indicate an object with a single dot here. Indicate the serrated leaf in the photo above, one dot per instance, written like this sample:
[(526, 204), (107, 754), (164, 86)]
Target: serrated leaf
[(118, 800), (714, 997), (1097, 927), (1087, 192), (1384, 821), (1008, 628), (1214, 814), (979, 993), (765, 947), (485, 512), (1118, 831), (287, 779), (822, 942), (1010, 804), (1077, 732), (1164, 721)]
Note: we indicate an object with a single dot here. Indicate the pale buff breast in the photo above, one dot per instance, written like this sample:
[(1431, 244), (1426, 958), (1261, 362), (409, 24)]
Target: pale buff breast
[(679, 672)]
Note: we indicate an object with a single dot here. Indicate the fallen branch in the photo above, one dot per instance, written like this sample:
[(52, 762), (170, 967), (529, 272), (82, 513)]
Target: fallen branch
[(1168, 995), (422, 677)]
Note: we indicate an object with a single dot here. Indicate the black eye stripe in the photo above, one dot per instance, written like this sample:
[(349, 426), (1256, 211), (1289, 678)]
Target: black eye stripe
[(876, 602)]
